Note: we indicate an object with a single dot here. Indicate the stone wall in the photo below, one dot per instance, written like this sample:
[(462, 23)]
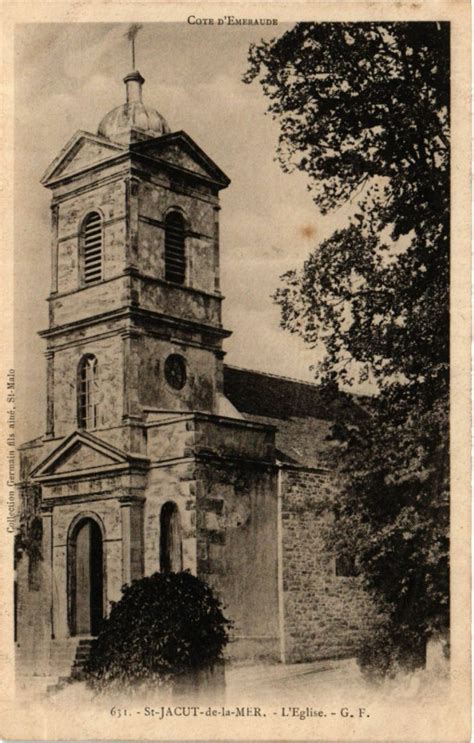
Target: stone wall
[(33, 619), (200, 434), (177, 301), (226, 493), (237, 551), (90, 301), (31, 452), (154, 202), (199, 390), (33, 627), (324, 614), (109, 201), (109, 354), (109, 514), (175, 483)]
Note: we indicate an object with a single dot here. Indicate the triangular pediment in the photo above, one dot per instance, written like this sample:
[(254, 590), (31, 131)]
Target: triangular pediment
[(180, 151), (84, 150), (79, 454)]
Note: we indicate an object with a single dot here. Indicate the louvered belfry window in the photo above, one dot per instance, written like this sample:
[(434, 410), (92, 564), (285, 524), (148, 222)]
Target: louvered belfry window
[(92, 248), (87, 392), (175, 254)]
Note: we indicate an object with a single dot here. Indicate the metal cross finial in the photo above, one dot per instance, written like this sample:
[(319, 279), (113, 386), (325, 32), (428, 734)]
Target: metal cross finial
[(131, 33)]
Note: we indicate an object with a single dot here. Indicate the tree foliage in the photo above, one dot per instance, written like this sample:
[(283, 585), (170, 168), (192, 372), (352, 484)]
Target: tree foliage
[(364, 112), (163, 627)]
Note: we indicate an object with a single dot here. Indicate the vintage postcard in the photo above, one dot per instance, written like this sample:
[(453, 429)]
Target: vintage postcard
[(235, 371)]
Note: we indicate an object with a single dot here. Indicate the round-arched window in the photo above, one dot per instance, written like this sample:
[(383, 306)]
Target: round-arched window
[(87, 392), (171, 546)]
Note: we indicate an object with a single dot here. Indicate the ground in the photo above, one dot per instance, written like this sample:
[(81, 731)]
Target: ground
[(306, 701), (298, 684)]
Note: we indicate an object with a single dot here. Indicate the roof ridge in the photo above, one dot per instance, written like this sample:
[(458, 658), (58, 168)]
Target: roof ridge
[(274, 376), (314, 385)]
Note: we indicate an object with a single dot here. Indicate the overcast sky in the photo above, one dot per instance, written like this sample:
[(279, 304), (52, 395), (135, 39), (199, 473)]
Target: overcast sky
[(68, 76)]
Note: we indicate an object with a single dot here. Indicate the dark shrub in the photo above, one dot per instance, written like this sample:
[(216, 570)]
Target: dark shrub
[(387, 650), (163, 627)]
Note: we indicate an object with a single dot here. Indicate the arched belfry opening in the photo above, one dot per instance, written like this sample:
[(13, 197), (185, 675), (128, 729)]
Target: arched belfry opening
[(86, 577), (175, 250), (91, 248), (171, 542)]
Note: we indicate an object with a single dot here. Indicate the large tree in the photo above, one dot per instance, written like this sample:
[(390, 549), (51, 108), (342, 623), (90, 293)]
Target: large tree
[(364, 112)]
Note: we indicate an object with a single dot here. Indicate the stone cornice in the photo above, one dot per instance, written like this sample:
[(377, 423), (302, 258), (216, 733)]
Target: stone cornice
[(94, 473), (293, 466), (176, 417), (59, 500), (139, 171), (213, 174), (169, 284), (47, 508), (88, 169), (136, 274), (85, 188), (131, 500), (137, 314), (200, 457), (211, 457)]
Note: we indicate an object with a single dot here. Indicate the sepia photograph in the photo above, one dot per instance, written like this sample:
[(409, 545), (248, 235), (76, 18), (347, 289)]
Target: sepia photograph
[(232, 444)]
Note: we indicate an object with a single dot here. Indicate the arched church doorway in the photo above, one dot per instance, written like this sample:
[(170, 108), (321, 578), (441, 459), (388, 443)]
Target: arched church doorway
[(171, 547), (86, 578)]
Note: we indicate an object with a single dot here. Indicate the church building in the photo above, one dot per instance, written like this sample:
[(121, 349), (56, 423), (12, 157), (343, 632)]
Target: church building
[(157, 456)]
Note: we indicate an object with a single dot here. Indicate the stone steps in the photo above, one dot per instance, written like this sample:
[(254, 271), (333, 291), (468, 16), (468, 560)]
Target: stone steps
[(73, 656), (62, 654), (59, 685), (82, 656)]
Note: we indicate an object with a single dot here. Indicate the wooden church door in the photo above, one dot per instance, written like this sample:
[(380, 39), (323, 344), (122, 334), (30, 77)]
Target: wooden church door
[(88, 586)]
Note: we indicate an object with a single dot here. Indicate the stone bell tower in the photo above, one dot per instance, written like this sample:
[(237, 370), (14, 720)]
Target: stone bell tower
[(135, 306), (156, 457), (145, 466)]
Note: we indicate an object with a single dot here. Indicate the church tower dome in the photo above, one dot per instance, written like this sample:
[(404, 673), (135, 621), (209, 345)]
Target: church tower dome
[(133, 121)]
